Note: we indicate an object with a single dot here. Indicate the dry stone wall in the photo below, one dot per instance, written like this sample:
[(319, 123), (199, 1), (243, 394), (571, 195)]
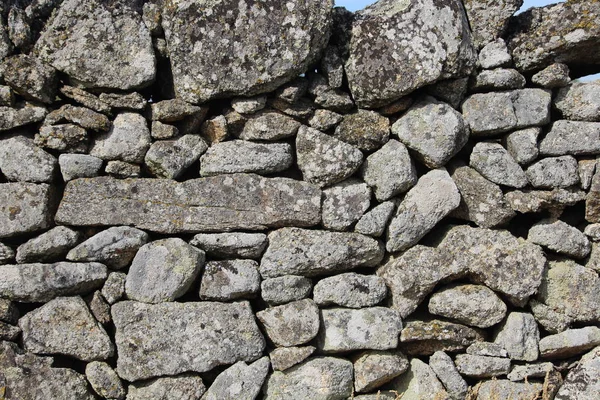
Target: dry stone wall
[(286, 200)]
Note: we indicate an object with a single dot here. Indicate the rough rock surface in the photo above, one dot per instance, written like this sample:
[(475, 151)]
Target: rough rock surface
[(344, 203), (364, 129), (554, 76), (372, 369), (481, 366), (291, 324), (230, 279), (240, 381), (15, 219), (31, 78), (269, 126), (445, 369), (183, 387), (560, 237), (421, 337), (23, 114), (62, 137), (579, 101), (171, 158), (494, 162), (489, 19), (571, 137), (522, 145), (283, 358), (39, 168), (49, 246), (570, 342), (231, 244), (582, 382), (420, 382), (285, 289), (374, 222), (519, 336), (104, 380), (503, 389), (128, 140), (350, 290)]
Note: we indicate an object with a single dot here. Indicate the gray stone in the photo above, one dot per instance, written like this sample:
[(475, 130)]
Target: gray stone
[(239, 382), (481, 366), (320, 378), (323, 120), (23, 114), (285, 289), (19, 30), (372, 328), (434, 196), (283, 358), (579, 101), (473, 305), (242, 156), (104, 380), (425, 337), (571, 137), (116, 44), (114, 247), (163, 270), (572, 290), (65, 326), (497, 79), (564, 32), (22, 282), (491, 113), (592, 202), (26, 376), (7, 97), (503, 389), (522, 145), (15, 219), (173, 110), (489, 19), (122, 170), (213, 130), (364, 129), (49, 246), (420, 383), (128, 140), (64, 138), (9, 332), (494, 54), (593, 232), (178, 337), (7, 254), (291, 324), (245, 201), (249, 105), (527, 371), (433, 130), (269, 125), (350, 290), (570, 343), (593, 262), (533, 201), (85, 98), (550, 320), (334, 100), (553, 76), (171, 158), (374, 222), (181, 387), (373, 369), (6, 46), (519, 335), (31, 78), (586, 169), (21, 160), (159, 130), (487, 349), (230, 280), (451, 91), (100, 308), (314, 252), (292, 91), (432, 42), (260, 38), (493, 162), (325, 160), (81, 116), (446, 371), (344, 204), (583, 381), (560, 237), (303, 109), (389, 171), (113, 289), (482, 201), (231, 244)]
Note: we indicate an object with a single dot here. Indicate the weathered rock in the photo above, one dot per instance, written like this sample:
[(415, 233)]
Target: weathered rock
[(230, 280), (571, 137), (374, 222), (22, 114), (65, 326), (271, 46), (550, 320), (270, 126), (122, 170), (420, 382), (482, 201), (321, 378), (214, 130), (491, 113), (6, 46), (31, 78), (583, 381), (554, 76), (240, 381), (487, 349), (163, 270), (473, 305), (104, 380), (433, 130), (7, 254), (586, 169), (592, 203), (64, 138), (570, 342), (426, 337), (183, 387), (481, 366), (325, 160), (113, 289), (7, 97), (579, 101), (291, 324), (325, 119), (285, 289), (85, 98), (533, 201), (364, 129), (231, 244), (451, 91), (283, 358), (173, 110), (493, 162), (446, 371), (519, 335), (292, 91), (112, 46), (170, 158), (494, 54), (15, 218), (245, 201), (560, 237), (565, 32), (432, 42), (242, 156), (350, 290), (312, 252), (593, 261), (344, 203), (522, 145), (503, 389), (303, 109), (21, 160), (434, 196), (497, 79), (9, 332), (22, 282), (49, 246), (489, 19), (81, 116), (249, 105), (159, 130), (114, 247), (373, 369), (527, 371), (128, 140), (19, 30), (179, 337), (100, 308)]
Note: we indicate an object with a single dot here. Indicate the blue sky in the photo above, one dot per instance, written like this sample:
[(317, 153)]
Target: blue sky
[(354, 5)]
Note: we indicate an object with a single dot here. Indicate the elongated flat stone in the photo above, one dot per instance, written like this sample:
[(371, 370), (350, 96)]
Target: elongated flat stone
[(171, 338), (24, 208), (220, 203)]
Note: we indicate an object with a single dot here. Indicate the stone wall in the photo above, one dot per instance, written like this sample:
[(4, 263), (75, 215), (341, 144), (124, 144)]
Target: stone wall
[(285, 200)]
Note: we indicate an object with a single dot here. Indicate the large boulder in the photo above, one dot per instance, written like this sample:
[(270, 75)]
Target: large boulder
[(400, 46), (242, 48), (489, 18)]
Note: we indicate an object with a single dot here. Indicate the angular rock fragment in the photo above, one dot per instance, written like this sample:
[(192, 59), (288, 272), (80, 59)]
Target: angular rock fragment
[(426, 337), (25, 208), (571, 137), (31, 78), (446, 371), (481, 366), (579, 101), (373, 369), (374, 222), (487, 349), (324, 120), (548, 318), (586, 169), (128, 140), (85, 98), (65, 138), (231, 244), (21, 160), (489, 19), (553, 76), (519, 336), (592, 203), (283, 358), (344, 203), (81, 116), (269, 126), (100, 308), (182, 387), (364, 129), (420, 382), (291, 324), (522, 145), (495, 54), (171, 338), (104, 380), (7, 254), (248, 105), (497, 79), (65, 326), (240, 381), (570, 342), (313, 252), (23, 114), (560, 237), (350, 290), (114, 287), (533, 201), (451, 91), (493, 162), (49, 246), (583, 381), (173, 110), (229, 280), (171, 158), (527, 371), (285, 289), (122, 170), (504, 389), (245, 201)]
